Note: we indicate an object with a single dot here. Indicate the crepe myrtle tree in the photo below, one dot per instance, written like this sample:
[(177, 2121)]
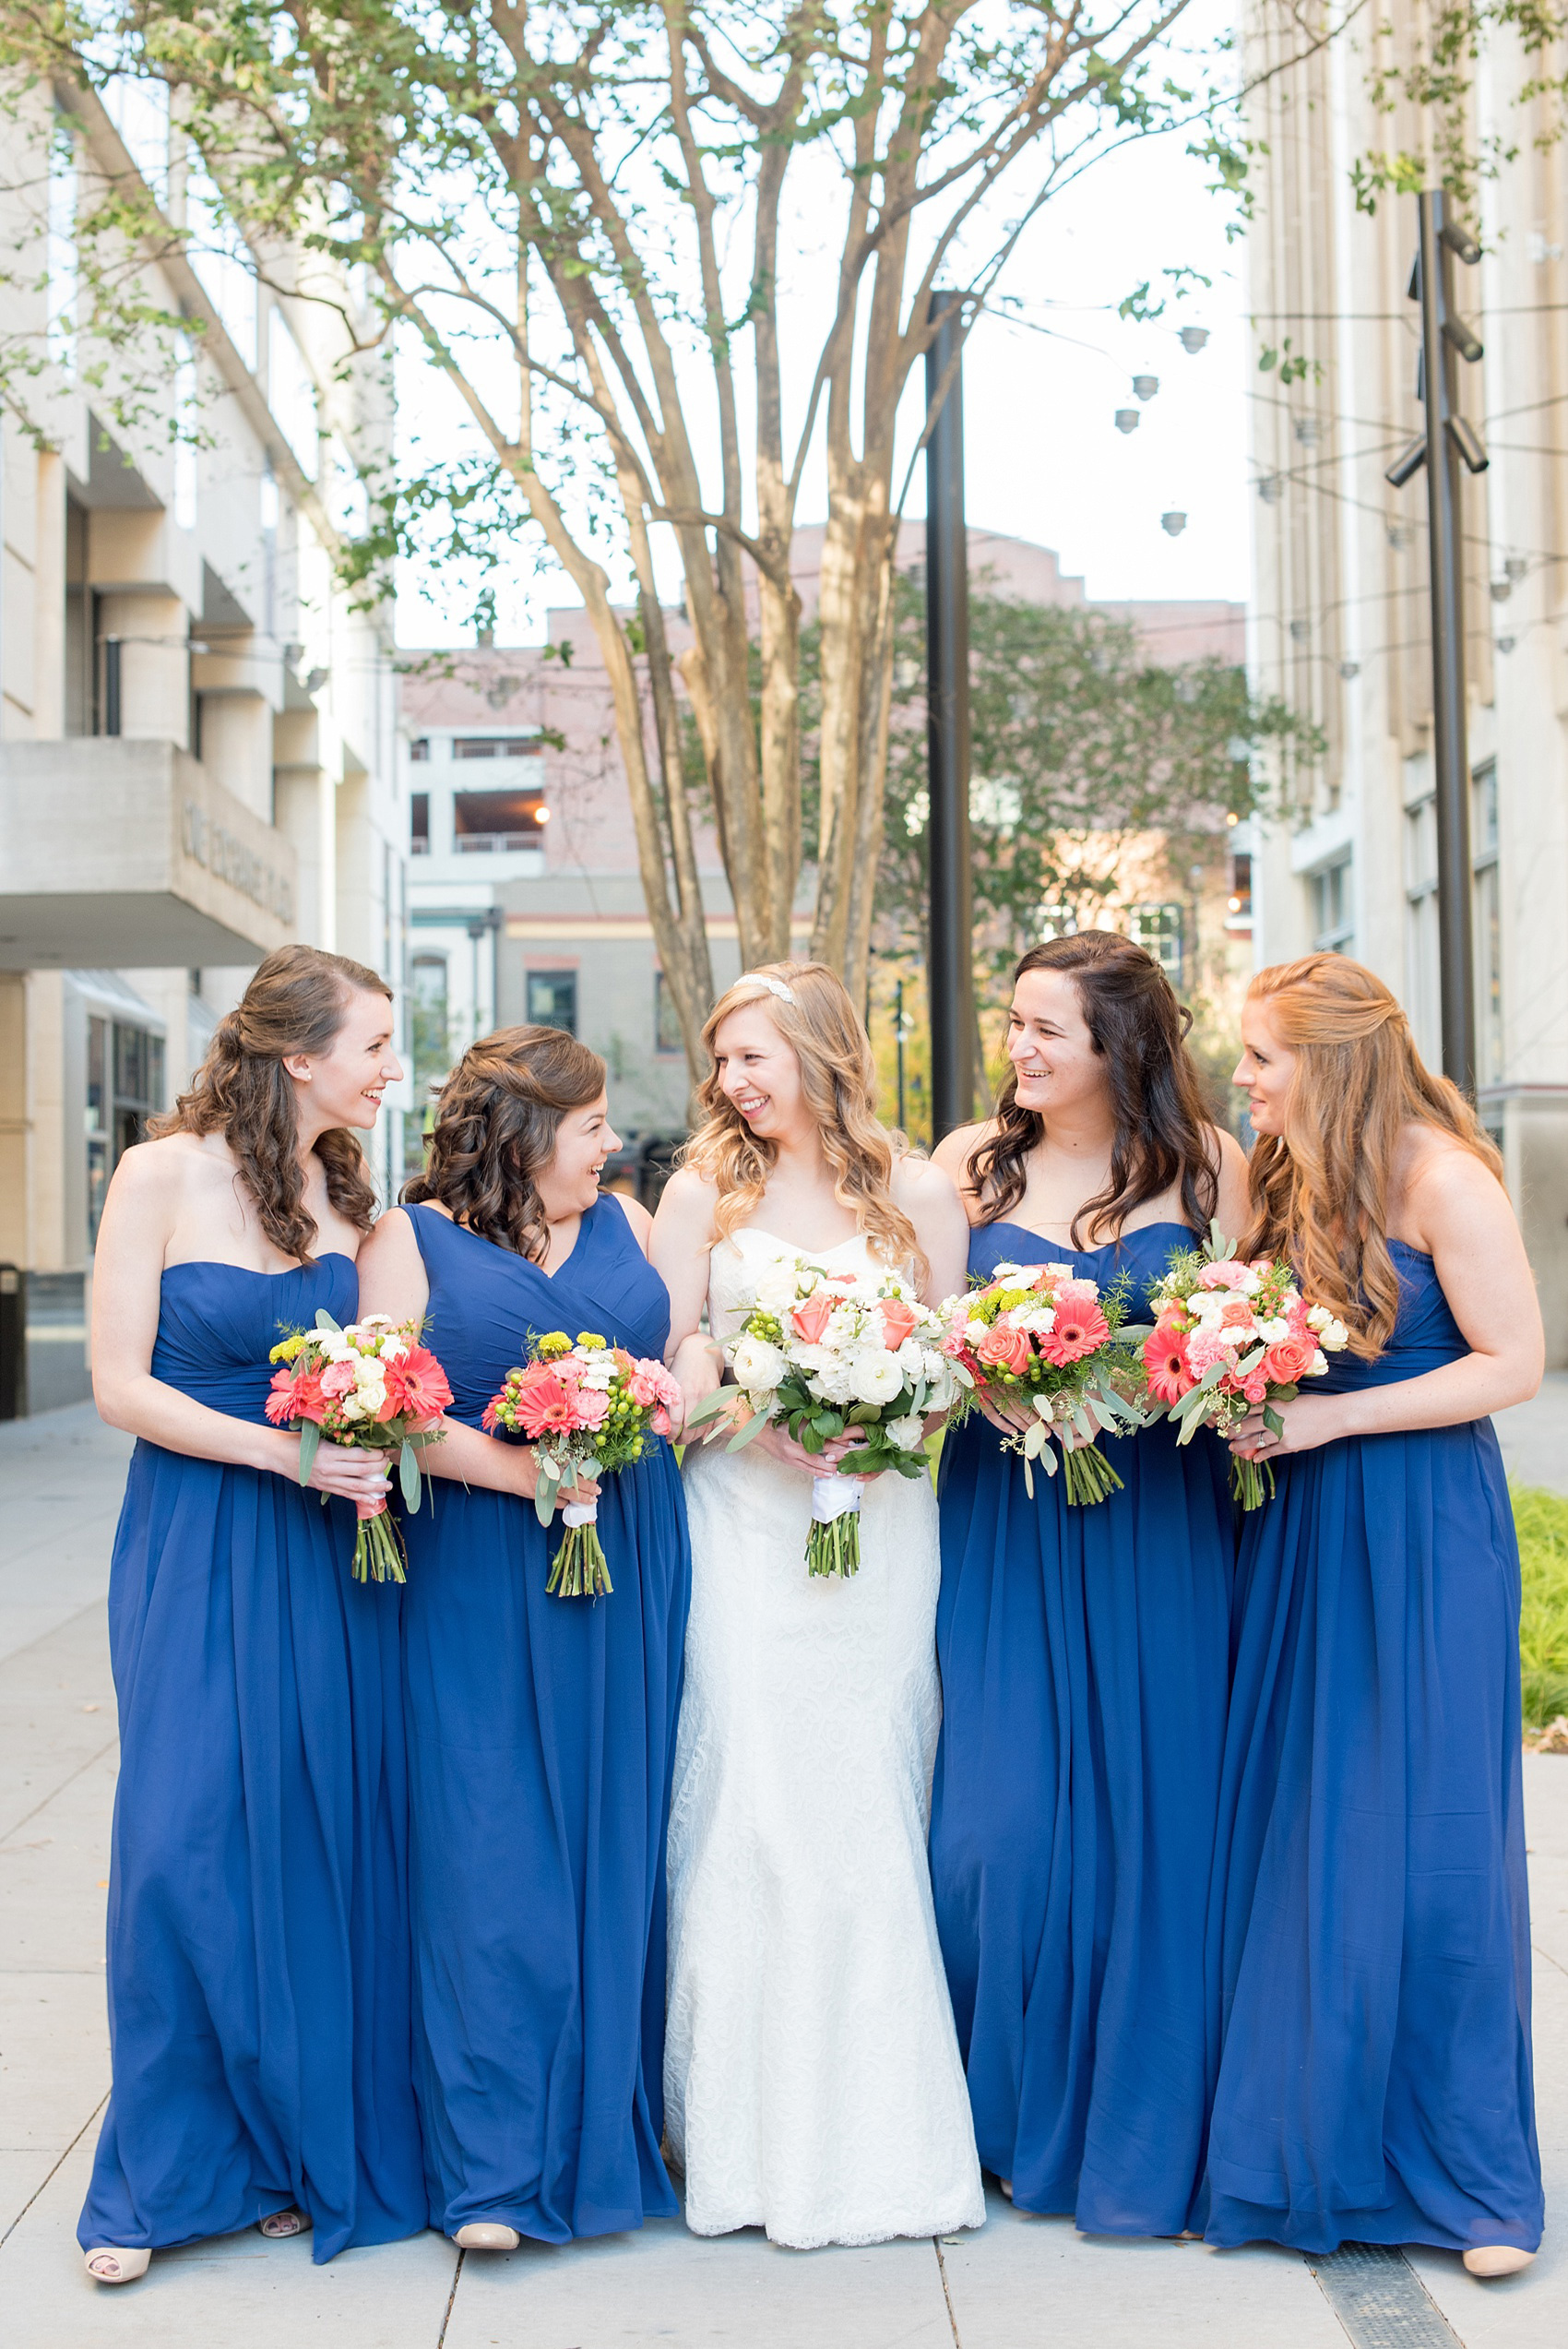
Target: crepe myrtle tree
[(583, 215)]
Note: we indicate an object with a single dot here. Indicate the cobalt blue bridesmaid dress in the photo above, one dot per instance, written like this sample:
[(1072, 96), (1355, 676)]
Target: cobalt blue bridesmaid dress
[(542, 1737), (1375, 2080), (258, 1949), (1084, 1655)]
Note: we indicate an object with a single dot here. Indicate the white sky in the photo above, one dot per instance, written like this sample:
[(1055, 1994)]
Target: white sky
[(1043, 458)]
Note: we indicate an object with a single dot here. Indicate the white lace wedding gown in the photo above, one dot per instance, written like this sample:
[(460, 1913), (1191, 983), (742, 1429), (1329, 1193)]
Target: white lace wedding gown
[(811, 2077)]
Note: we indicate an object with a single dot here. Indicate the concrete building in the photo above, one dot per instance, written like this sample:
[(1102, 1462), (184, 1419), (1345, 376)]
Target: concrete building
[(1341, 617), (197, 747), (525, 900)]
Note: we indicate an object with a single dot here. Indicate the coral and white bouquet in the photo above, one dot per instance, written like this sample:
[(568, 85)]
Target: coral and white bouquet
[(588, 1408), (1228, 1337), (826, 1355), (371, 1386), (1042, 1337)]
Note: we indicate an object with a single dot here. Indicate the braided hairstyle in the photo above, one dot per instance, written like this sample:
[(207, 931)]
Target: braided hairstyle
[(296, 1002), (1163, 1135), (496, 1125)]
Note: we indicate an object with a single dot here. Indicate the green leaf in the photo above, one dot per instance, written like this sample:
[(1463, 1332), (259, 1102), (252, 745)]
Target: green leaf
[(324, 1321), (749, 1433), (310, 1444), (827, 1422), (721, 1399), (409, 1475)]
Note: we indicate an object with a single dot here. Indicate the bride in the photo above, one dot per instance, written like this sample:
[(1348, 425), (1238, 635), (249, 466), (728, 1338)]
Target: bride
[(811, 2077)]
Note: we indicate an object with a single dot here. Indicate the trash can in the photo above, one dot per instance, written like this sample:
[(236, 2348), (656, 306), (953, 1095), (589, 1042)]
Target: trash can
[(13, 1342)]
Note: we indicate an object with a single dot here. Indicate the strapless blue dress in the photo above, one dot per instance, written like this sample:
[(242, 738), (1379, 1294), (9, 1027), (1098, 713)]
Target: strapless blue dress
[(1375, 2080), (541, 1740), (259, 1958), (1084, 1656)]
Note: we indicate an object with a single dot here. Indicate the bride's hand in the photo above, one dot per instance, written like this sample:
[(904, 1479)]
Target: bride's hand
[(698, 1370), (779, 1445)]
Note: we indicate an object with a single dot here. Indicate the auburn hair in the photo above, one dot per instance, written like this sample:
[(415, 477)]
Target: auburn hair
[(296, 1002), (820, 1024), (496, 1125), (1163, 1133), (1320, 1191)]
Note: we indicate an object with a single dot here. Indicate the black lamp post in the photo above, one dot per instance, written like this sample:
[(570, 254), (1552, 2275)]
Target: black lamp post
[(949, 972)]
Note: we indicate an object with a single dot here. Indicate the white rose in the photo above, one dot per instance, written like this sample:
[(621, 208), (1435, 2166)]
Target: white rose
[(370, 1375), (1319, 1365), (906, 1434), (352, 1407), (758, 1364), (877, 1378)]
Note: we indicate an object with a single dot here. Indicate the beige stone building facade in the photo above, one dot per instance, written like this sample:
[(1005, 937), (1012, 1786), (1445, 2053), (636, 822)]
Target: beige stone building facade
[(197, 746), (1340, 622)]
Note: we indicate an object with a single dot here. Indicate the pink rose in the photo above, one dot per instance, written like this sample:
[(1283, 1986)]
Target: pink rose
[(642, 1385), (1002, 1349), (1291, 1359), (810, 1319), (1255, 1389), (660, 1423), (898, 1321)]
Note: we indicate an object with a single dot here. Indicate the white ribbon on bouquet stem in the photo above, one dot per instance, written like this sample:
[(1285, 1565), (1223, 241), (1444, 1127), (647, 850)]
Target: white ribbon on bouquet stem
[(836, 1497)]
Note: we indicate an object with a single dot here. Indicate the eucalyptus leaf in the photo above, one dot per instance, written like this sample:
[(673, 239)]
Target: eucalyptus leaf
[(749, 1433), (310, 1444), (324, 1321), (409, 1475)]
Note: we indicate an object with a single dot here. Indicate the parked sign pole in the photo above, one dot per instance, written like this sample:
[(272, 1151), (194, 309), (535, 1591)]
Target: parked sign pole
[(949, 969), (1445, 442)]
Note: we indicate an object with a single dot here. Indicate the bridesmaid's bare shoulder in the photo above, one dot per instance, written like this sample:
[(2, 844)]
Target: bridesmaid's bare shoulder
[(955, 1154)]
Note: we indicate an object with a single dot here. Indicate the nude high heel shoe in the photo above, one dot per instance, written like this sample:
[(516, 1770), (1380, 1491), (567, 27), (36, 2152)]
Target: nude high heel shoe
[(278, 2226), (486, 2234), (108, 2263), (1493, 2260)]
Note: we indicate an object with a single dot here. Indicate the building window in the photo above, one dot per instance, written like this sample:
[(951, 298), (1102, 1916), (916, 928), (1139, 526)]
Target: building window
[(1333, 925), (124, 1088), (419, 751), (1486, 920), (553, 999), (1423, 996), (419, 823), (497, 822), (496, 747), (666, 1036), (429, 1050), (1239, 896), (1160, 930)]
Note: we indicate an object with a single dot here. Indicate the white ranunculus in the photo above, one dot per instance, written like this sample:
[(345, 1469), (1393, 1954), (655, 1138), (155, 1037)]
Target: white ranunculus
[(877, 1378), (777, 1288), (758, 1364), (908, 1435)]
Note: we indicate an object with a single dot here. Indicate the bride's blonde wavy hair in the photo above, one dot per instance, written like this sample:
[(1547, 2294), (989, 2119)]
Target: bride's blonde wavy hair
[(1320, 1191), (819, 1023)]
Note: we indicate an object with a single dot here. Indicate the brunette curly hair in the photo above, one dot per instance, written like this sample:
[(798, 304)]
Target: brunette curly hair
[(296, 1002), (1163, 1133), (497, 1124), (810, 1006)]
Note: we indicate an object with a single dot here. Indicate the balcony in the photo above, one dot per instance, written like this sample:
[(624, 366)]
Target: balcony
[(128, 854)]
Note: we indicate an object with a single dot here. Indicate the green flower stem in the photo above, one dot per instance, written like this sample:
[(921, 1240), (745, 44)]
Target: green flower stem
[(379, 1556), (581, 1569), (1252, 1482), (834, 1548), (1089, 1475)]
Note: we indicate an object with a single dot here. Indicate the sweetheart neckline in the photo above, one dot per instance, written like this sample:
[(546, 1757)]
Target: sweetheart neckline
[(222, 1264), (794, 1245)]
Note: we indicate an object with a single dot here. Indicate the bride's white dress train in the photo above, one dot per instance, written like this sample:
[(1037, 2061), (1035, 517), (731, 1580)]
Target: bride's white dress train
[(811, 2077)]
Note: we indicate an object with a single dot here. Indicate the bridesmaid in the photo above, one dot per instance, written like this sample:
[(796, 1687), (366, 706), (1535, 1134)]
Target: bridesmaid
[(259, 1990), (1375, 2081), (540, 1730), (1083, 1650)]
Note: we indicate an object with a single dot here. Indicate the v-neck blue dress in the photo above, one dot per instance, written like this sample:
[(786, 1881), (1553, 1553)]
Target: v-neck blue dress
[(258, 1931), (1375, 2085), (542, 1738), (1085, 1659)]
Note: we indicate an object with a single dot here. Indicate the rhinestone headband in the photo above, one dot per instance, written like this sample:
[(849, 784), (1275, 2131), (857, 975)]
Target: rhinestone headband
[(761, 979)]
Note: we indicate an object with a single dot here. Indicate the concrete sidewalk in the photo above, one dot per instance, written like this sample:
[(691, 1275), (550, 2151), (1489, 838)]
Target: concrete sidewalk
[(1019, 2282)]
